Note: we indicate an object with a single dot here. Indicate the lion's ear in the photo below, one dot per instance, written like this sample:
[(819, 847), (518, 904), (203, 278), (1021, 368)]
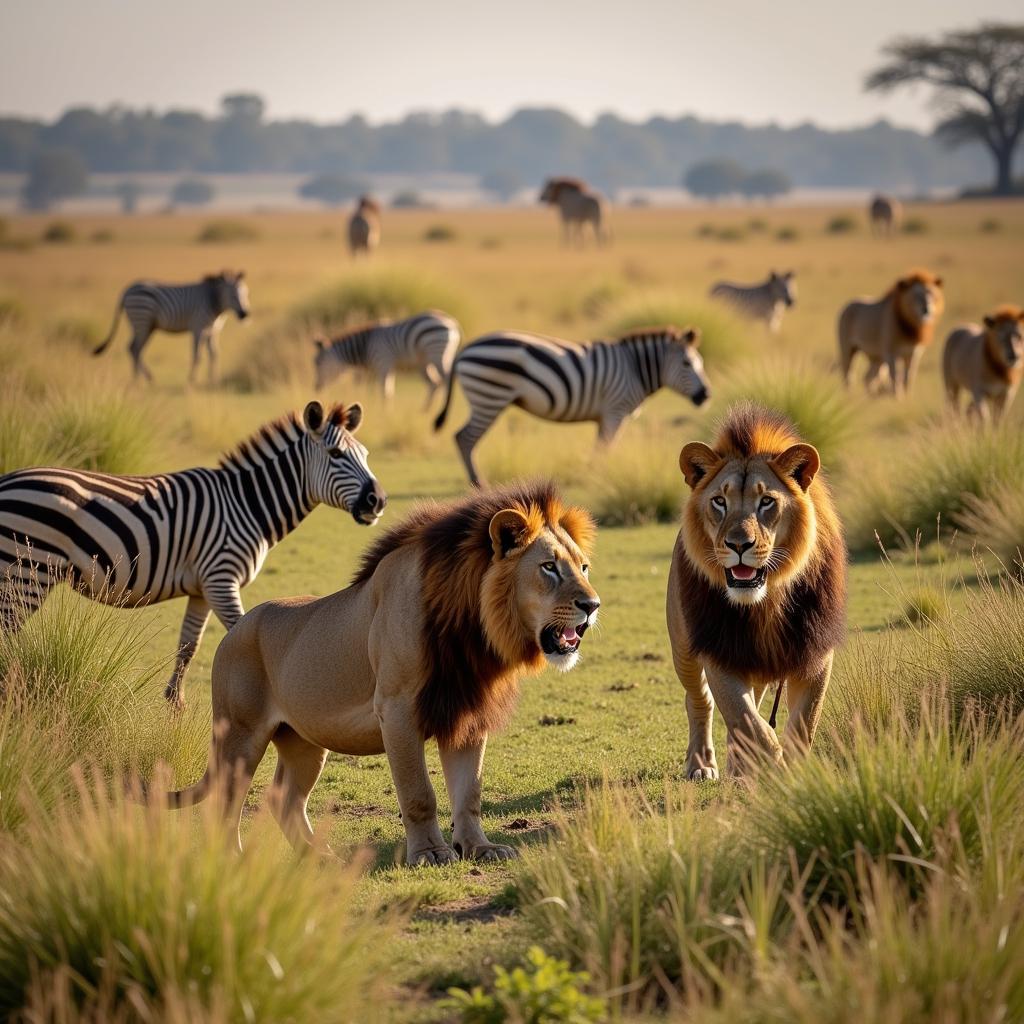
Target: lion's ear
[(990, 322), (508, 530), (697, 460), (799, 461), (692, 336), (937, 282)]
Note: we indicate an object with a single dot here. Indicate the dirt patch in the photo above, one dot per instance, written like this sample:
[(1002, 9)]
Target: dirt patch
[(471, 909)]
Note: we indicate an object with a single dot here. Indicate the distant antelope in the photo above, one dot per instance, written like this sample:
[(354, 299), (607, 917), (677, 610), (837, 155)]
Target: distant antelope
[(176, 308), (766, 301), (364, 227), (886, 214), (578, 206)]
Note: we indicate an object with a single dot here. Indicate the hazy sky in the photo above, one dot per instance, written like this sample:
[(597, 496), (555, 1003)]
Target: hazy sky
[(755, 60)]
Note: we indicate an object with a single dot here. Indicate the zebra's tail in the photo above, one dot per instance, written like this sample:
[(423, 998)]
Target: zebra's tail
[(105, 344), (196, 794), (443, 414)]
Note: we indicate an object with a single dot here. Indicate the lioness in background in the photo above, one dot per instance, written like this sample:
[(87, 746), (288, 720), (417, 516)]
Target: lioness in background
[(446, 613), (986, 362), (757, 589), (892, 331)]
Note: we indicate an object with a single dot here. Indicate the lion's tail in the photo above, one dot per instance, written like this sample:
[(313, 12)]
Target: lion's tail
[(196, 794)]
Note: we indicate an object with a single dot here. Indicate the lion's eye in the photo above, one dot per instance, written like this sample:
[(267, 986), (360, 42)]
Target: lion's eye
[(549, 567), (766, 503), (718, 501), (585, 569)]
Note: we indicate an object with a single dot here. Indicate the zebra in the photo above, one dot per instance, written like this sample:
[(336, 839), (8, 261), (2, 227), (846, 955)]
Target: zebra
[(886, 213), (199, 533), (602, 381), (578, 206), (364, 227), (176, 308), (766, 301), (427, 342)]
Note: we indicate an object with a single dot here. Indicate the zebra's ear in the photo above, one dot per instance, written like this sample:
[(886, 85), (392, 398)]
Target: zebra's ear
[(240, 275), (319, 343), (990, 321), (313, 417), (353, 417), (697, 460), (692, 337)]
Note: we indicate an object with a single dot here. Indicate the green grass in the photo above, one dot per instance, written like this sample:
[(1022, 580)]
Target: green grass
[(227, 231)]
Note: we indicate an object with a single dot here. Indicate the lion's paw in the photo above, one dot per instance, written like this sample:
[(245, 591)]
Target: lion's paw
[(432, 856), (486, 851)]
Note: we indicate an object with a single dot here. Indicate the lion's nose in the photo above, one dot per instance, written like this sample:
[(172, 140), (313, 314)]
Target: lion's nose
[(740, 545), (589, 605)]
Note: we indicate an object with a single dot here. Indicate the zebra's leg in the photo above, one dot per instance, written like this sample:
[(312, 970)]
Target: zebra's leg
[(299, 764), (434, 378), (607, 429), (387, 385), (139, 341), (197, 614), (212, 351), (225, 600), (23, 588), (469, 437), (198, 341)]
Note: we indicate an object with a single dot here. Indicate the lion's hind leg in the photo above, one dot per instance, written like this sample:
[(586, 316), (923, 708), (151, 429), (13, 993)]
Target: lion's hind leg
[(299, 764)]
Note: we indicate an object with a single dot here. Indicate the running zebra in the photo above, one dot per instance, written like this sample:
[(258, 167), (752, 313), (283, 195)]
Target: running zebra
[(426, 342), (199, 308), (364, 227), (200, 533), (766, 301), (601, 381), (578, 206)]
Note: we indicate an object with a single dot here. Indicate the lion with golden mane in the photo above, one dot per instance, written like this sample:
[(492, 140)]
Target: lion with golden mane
[(987, 362), (447, 612), (757, 588), (892, 331)]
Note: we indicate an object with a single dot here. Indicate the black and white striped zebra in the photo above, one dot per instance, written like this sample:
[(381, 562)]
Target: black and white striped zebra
[(766, 301), (426, 342), (601, 381), (200, 533), (199, 308)]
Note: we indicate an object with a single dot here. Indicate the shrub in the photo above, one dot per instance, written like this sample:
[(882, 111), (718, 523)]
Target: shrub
[(842, 224), (440, 233), (59, 232), (731, 234), (639, 483), (228, 231), (915, 226), (990, 226), (545, 991), (757, 226), (102, 236), (922, 606), (123, 905), (707, 231), (78, 330), (787, 234), (12, 313), (996, 522)]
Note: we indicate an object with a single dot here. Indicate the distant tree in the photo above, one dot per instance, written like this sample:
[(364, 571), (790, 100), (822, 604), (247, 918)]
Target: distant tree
[(192, 192), (128, 192), (409, 200), (712, 179), (504, 182), (243, 106), (53, 175), (978, 76), (332, 189), (766, 184)]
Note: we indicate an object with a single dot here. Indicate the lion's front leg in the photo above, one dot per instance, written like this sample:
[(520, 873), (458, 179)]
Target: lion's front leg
[(404, 746), (463, 769), (806, 696), (749, 735)]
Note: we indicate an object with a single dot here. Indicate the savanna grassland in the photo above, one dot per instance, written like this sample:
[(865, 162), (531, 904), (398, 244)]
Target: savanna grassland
[(878, 880)]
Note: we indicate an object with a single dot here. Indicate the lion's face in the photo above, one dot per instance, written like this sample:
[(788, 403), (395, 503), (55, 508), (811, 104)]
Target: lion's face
[(1005, 338), (749, 523), (920, 299), (546, 577)]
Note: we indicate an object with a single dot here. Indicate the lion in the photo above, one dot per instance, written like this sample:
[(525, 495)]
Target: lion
[(757, 588), (987, 362), (446, 613), (892, 331)]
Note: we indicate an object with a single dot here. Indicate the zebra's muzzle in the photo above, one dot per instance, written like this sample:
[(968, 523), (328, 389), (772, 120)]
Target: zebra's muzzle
[(370, 504)]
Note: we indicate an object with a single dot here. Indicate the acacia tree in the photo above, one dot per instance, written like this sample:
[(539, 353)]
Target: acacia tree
[(978, 76)]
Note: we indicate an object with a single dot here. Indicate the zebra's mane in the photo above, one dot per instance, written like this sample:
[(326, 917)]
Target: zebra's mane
[(272, 438), (649, 332), (359, 329)]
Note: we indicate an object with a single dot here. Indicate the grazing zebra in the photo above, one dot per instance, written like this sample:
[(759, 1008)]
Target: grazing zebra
[(200, 533), (176, 308), (886, 214), (601, 381), (364, 227), (578, 206), (426, 342), (766, 301)]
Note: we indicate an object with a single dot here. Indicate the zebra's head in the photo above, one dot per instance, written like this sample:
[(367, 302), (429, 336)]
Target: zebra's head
[(337, 471), (783, 287), (232, 293), (326, 364), (684, 368)]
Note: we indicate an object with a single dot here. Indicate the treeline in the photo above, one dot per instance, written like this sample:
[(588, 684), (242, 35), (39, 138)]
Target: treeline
[(526, 146)]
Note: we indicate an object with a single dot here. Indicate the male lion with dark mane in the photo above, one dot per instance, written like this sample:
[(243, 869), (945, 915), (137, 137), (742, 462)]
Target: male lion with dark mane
[(448, 610), (757, 589)]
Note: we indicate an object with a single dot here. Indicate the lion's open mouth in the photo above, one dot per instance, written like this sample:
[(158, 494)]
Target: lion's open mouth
[(745, 577), (562, 639)]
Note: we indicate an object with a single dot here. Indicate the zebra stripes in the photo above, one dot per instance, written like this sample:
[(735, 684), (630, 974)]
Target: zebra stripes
[(199, 308), (200, 533), (426, 342), (602, 381), (766, 301)]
